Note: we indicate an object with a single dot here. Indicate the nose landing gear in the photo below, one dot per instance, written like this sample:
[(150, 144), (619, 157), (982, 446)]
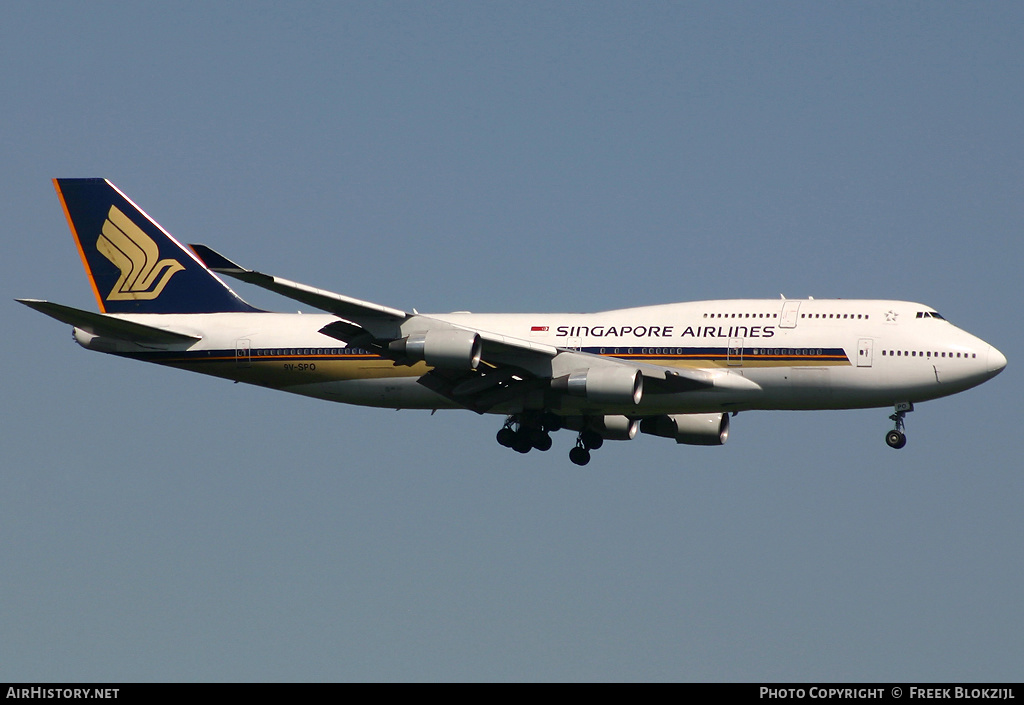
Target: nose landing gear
[(897, 438)]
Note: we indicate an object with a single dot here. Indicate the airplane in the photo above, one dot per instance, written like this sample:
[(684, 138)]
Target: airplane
[(677, 371)]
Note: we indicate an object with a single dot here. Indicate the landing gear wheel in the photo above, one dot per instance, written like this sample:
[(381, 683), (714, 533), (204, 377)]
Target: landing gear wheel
[(579, 455), (506, 437), (896, 439), (542, 441), (591, 440), (522, 442)]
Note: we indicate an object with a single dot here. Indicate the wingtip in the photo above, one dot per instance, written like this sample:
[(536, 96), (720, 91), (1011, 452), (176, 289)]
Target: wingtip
[(215, 261)]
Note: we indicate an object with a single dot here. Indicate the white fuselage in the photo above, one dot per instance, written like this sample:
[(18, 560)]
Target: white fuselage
[(777, 354)]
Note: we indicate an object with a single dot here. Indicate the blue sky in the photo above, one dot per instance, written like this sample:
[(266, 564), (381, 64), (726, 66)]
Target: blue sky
[(513, 157)]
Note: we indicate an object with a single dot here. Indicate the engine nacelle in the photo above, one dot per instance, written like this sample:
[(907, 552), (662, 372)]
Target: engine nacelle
[(604, 385), (615, 428), (611, 428), (691, 429), (447, 349)]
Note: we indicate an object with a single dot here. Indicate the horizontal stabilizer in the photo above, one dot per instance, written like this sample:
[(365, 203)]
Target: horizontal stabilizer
[(108, 326)]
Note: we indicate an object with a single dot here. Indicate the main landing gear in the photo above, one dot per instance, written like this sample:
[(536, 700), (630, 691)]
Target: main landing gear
[(522, 433), (525, 432), (897, 438), (585, 442)]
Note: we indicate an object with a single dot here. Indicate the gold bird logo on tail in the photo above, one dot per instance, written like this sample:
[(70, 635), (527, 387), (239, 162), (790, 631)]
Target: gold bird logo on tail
[(133, 252)]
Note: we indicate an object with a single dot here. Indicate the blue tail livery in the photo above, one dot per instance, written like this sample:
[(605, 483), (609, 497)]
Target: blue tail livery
[(134, 265)]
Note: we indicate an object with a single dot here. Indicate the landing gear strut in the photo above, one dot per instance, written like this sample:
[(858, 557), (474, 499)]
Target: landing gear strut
[(897, 438)]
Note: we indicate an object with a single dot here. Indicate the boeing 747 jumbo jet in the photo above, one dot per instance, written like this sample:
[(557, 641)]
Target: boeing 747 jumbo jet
[(675, 370)]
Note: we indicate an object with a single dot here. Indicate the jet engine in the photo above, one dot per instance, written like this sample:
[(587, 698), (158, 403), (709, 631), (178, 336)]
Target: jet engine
[(615, 428), (447, 349), (691, 429), (611, 428), (604, 385)]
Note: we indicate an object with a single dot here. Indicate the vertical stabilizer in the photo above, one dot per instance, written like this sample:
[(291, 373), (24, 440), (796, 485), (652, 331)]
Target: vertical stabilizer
[(134, 265)]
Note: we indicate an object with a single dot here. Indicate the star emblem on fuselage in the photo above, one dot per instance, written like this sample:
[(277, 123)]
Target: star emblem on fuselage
[(890, 316)]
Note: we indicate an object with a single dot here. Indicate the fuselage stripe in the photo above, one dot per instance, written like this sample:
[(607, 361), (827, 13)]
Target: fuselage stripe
[(711, 355)]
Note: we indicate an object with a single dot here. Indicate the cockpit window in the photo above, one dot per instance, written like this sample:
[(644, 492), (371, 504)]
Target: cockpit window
[(929, 314)]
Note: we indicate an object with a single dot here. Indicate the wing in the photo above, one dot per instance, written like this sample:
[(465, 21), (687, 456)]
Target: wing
[(481, 369), (372, 316)]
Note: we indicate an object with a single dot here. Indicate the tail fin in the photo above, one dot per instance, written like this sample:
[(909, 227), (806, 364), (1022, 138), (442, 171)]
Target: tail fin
[(134, 265)]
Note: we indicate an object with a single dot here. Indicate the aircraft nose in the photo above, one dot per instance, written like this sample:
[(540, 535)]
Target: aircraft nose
[(996, 361)]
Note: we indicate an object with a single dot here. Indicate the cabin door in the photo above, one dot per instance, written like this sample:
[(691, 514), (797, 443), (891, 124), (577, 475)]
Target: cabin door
[(734, 353), (790, 311), (243, 356), (865, 352)]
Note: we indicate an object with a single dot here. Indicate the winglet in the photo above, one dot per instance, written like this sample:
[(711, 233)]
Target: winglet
[(216, 261)]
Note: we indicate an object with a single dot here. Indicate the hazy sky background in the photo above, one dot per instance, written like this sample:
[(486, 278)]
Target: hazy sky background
[(157, 525)]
